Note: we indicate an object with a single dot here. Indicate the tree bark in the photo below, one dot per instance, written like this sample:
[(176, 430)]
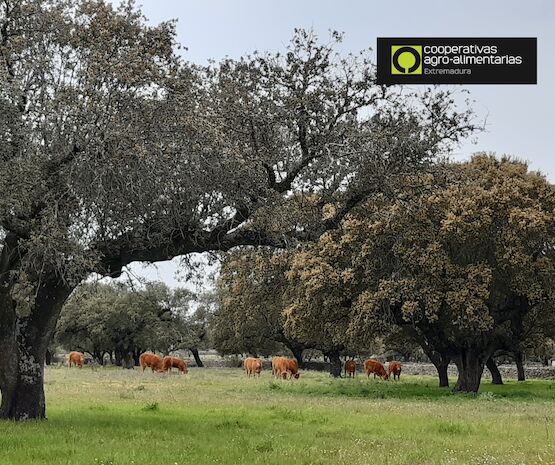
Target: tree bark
[(521, 375), (441, 362), (298, 354), (495, 373), (48, 358), (442, 373), (23, 344), (470, 364), (335, 363), (196, 356), (136, 356)]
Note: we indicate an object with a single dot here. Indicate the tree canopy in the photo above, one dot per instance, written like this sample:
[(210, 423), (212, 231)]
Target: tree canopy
[(116, 150), (463, 258)]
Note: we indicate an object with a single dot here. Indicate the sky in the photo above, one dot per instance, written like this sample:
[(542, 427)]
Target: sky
[(520, 118)]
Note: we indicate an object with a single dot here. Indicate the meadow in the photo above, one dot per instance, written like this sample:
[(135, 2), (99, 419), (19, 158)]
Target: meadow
[(217, 416)]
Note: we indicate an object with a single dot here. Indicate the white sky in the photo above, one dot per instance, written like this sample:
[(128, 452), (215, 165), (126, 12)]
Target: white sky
[(520, 119)]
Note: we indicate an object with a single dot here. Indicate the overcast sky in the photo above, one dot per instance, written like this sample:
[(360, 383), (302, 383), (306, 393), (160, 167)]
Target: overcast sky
[(520, 118)]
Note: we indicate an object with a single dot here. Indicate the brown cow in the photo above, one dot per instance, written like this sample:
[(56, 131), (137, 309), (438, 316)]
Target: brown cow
[(75, 358), (293, 368), (373, 366), (175, 362), (253, 366), (148, 359), (350, 368), (279, 365), (283, 367), (395, 368)]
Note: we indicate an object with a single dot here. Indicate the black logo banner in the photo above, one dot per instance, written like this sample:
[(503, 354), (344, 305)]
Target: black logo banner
[(451, 60)]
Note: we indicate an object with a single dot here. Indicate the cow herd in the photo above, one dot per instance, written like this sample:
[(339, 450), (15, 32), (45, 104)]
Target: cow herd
[(146, 360), (287, 368), (282, 367)]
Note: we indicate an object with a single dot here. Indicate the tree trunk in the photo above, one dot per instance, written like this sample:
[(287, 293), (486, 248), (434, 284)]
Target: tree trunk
[(470, 364), (128, 360), (23, 344), (196, 356), (48, 358), (335, 363), (441, 362), (298, 354), (521, 376), (118, 358), (136, 356), (442, 373), (495, 373)]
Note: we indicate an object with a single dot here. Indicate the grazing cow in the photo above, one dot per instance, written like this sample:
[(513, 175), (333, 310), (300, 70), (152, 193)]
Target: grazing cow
[(350, 368), (373, 366), (151, 360), (293, 368), (174, 362), (395, 368), (75, 358), (279, 365), (283, 367), (252, 366)]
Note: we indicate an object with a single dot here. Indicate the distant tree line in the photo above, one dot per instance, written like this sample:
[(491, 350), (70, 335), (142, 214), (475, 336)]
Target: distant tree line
[(118, 322)]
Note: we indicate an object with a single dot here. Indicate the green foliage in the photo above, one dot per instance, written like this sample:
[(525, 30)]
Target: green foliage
[(463, 258), (117, 319), (251, 290)]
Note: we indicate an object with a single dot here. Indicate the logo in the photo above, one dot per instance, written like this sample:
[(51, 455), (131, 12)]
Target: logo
[(457, 60), (406, 59)]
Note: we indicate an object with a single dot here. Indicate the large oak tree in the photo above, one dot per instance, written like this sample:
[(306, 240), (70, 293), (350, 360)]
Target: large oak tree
[(462, 259), (114, 150)]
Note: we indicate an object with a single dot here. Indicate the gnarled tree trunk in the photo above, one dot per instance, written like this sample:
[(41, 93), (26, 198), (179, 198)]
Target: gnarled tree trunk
[(196, 356), (23, 344), (297, 353), (470, 364), (495, 373), (441, 362), (442, 373)]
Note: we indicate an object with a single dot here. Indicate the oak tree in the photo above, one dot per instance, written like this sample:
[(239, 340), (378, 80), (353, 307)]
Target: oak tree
[(115, 150)]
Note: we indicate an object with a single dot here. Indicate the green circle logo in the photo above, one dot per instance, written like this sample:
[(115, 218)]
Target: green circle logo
[(406, 59)]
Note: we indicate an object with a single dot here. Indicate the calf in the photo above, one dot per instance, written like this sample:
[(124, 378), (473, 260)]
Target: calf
[(395, 368), (350, 368), (375, 367), (253, 366), (75, 359)]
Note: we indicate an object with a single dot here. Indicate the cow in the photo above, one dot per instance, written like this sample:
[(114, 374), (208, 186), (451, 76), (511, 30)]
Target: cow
[(375, 367), (148, 359), (252, 366), (174, 362), (293, 368), (395, 368), (350, 368), (279, 365), (283, 367), (75, 359)]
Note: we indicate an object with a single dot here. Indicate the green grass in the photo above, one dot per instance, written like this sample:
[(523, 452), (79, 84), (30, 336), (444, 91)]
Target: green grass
[(217, 416)]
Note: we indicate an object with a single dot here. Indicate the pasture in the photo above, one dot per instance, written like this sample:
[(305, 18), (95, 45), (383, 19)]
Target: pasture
[(218, 416)]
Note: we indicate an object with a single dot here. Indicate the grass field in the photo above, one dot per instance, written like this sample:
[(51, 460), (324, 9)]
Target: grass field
[(217, 416)]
